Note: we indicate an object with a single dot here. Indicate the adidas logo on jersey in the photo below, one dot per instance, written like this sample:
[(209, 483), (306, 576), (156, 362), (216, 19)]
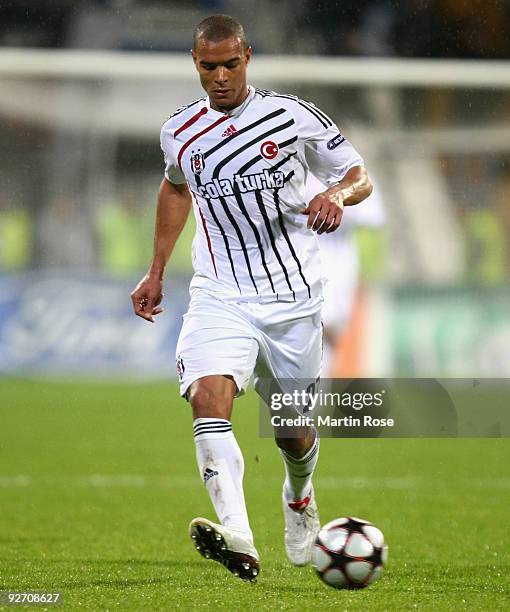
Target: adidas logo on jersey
[(220, 188), (208, 473), (229, 131)]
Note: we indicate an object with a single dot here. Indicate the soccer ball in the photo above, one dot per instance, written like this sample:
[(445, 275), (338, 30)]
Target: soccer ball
[(349, 553)]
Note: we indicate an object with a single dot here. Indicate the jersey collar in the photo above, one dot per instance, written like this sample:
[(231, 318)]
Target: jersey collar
[(235, 112)]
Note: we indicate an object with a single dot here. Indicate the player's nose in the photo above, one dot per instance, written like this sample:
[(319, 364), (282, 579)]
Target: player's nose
[(221, 74)]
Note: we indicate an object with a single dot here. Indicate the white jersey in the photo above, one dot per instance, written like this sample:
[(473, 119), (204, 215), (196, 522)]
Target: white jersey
[(246, 170)]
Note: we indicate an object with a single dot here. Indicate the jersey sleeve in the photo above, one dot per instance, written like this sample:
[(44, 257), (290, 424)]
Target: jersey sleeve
[(328, 153), (172, 171)]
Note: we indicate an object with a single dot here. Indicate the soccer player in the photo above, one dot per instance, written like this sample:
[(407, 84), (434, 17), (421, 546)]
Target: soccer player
[(240, 157)]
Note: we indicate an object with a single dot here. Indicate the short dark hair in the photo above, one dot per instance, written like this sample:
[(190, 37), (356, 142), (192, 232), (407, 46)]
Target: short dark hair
[(219, 27)]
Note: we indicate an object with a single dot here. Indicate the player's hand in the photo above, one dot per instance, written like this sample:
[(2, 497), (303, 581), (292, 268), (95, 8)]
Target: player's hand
[(324, 213), (146, 298)]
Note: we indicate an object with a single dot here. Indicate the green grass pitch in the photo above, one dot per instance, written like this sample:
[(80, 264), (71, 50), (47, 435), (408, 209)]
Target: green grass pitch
[(98, 484)]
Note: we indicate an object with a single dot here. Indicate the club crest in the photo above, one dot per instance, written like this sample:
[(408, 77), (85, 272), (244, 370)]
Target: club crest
[(179, 366), (197, 162)]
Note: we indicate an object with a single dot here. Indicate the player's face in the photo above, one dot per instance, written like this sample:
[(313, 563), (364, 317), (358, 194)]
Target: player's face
[(222, 69)]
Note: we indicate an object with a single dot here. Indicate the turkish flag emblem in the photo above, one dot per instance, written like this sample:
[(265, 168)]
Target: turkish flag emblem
[(269, 149)]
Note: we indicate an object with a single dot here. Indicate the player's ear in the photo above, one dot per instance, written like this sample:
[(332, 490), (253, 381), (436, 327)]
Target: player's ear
[(194, 56), (247, 54)]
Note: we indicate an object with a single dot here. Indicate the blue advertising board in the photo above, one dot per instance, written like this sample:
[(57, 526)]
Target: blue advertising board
[(58, 324)]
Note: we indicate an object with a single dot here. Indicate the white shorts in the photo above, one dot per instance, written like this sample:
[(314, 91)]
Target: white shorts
[(280, 340)]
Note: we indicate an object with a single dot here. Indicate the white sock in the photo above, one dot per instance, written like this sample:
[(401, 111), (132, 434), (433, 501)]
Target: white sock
[(221, 466), (299, 472)]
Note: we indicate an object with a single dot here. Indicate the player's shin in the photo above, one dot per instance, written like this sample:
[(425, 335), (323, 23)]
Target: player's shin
[(221, 466), (298, 475)]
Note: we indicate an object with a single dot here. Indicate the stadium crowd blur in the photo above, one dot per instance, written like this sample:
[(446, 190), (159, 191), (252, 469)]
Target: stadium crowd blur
[(411, 28), (63, 233)]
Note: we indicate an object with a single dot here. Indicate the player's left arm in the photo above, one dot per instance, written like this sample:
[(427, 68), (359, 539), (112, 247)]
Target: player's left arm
[(335, 162), (326, 208)]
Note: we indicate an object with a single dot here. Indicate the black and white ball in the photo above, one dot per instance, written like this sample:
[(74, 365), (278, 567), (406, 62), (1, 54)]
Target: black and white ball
[(349, 553)]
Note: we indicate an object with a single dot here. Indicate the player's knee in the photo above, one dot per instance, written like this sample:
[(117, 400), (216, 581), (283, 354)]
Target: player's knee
[(298, 446), (211, 400), (205, 401)]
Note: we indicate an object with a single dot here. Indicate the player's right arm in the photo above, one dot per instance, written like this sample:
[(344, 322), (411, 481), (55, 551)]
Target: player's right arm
[(174, 203)]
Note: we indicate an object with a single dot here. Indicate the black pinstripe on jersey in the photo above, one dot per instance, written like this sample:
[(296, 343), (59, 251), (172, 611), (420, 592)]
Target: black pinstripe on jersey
[(276, 198), (247, 145), (243, 130), (223, 234), (225, 240), (242, 205), (288, 177), (215, 174), (237, 230), (311, 108), (242, 208), (287, 158), (222, 201), (267, 223), (260, 203), (322, 117)]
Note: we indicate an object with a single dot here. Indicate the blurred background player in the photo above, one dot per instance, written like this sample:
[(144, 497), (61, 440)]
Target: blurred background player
[(341, 269)]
